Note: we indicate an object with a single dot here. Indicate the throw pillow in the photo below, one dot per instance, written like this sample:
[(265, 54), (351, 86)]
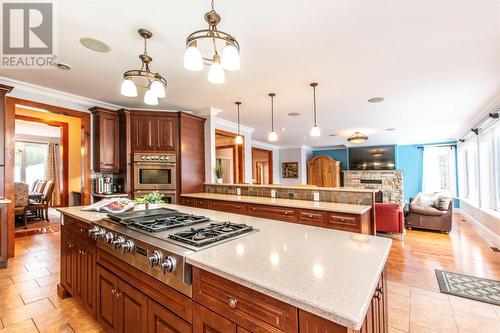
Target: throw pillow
[(442, 203)]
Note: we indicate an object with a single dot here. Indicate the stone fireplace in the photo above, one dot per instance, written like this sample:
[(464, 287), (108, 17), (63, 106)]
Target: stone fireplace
[(389, 182)]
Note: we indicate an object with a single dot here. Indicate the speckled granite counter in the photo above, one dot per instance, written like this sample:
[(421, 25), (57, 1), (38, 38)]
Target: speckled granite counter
[(330, 273), (302, 204), (78, 213)]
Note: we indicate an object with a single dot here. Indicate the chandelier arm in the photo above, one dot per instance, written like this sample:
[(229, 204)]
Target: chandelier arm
[(205, 34)]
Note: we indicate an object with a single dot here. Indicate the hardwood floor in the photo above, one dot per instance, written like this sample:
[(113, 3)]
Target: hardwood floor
[(28, 300)]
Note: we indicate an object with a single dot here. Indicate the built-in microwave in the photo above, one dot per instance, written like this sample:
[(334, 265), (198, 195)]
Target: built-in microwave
[(154, 172)]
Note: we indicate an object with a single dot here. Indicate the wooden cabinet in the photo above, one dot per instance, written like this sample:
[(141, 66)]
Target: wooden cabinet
[(206, 321), (273, 212), (243, 306), (107, 302), (106, 126), (132, 309), (323, 171), (78, 263), (152, 133), (160, 320), (228, 206)]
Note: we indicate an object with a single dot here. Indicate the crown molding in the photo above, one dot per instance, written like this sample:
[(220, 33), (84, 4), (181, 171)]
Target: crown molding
[(231, 124), (265, 145)]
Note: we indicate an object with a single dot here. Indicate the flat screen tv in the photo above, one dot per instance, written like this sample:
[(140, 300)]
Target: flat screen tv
[(372, 158)]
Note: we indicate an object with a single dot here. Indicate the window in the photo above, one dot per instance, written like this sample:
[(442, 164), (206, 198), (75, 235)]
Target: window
[(30, 161), (439, 170), (468, 159), (490, 167)]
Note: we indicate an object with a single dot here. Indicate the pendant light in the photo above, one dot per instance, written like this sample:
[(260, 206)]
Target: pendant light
[(239, 139), (357, 137), (272, 135), (230, 59), (315, 131), (154, 83)]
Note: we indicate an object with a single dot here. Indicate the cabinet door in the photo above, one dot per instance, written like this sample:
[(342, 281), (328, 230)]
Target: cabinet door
[(79, 276), (160, 320), (68, 262), (108, 142), (133, 309), (107, 300), (89, 277), (206, 321), (143, 133), (165, 133)]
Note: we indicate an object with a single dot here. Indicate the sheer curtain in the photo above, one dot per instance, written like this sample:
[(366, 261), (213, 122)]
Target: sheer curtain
[(52, 172), (439, 170)]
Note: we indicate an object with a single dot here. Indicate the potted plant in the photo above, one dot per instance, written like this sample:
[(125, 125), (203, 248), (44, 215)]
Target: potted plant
[(219, 172), (149, 201)]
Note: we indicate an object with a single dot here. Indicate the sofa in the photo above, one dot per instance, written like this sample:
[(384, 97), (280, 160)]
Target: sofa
[(430, 211), (389, 217)]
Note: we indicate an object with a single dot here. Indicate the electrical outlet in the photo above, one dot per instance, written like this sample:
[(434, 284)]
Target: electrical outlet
[(316, 196), (238, 191), (273, 193)]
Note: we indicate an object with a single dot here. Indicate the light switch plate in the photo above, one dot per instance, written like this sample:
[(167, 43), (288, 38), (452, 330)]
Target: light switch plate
[(273, 193), (238, 191), (316, 196)]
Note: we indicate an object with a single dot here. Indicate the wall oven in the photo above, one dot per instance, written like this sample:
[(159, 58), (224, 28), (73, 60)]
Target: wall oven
[(154, 172)]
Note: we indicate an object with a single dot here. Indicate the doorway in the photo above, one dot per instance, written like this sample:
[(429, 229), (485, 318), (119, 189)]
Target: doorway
[(231, 156), (262, 166)]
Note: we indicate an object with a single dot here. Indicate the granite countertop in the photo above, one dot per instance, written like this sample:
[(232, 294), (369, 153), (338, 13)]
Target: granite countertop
[(299, 187), (327, 272), (78, 213), (303, 204)]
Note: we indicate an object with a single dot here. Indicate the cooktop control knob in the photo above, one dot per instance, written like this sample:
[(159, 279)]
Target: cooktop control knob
[(108, 237), (168, 265), (93, 230), (99, 233), (127, 246), (155, 258), (118, 242)]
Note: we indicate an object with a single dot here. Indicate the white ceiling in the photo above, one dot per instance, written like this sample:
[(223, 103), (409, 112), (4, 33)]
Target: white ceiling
[(437, 63)]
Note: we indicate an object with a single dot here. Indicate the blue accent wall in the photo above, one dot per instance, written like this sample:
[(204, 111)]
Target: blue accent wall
[(337, 155), (409, 159)]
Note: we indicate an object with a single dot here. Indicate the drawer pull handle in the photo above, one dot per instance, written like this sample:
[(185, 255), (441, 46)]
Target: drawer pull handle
[(113, 291), (254, 209), (232, 302), (118, 294), (288, 212), (310, 216)]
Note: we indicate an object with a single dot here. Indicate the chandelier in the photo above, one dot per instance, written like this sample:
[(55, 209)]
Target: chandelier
[(154, 83), (230, 58), (357, 137)]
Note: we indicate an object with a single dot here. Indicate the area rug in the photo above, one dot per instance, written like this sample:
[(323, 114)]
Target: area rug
[(471, 287)]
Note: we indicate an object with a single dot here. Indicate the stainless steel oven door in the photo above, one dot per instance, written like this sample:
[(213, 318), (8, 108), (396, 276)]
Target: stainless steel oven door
[(154, 176), (168, 196)]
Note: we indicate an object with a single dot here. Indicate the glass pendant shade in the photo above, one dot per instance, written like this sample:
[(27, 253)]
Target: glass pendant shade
[(230, 58), (315, 131), (193, 59), (150, 97), (216, 73), (238, 140), (128, 88), (357, 137), (158, 89), (272, 136)]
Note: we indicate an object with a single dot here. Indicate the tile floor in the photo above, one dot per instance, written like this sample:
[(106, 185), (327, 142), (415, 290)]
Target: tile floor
[(28, 300)]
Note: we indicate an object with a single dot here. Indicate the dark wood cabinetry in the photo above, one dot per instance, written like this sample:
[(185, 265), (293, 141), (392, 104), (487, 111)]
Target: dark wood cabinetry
[(360, 223), (152, 132), (106, 126), (160, 320), (206, 321)]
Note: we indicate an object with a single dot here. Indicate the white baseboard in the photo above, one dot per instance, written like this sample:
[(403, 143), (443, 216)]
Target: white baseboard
[(487, 233)]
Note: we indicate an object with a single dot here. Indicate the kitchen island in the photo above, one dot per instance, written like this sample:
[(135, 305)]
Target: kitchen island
[(281, 278)]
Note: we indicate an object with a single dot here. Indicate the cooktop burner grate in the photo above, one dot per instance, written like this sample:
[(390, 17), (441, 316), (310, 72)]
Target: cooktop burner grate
[(162, 223), (213, 233)]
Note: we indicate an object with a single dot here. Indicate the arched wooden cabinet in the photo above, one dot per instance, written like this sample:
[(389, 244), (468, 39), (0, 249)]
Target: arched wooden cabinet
[(323, 171)]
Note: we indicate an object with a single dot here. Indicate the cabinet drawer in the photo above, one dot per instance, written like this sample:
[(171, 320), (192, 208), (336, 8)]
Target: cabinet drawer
[(246, 307), (227, 206), (200, 203), (312, 217), (187, 201), (273, 212), (343, 222)]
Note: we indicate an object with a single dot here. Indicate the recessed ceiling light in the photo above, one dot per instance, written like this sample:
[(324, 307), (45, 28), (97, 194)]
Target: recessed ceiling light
[(282, 129), (305, 137), (294, 114), (376, 99), (390, 129), (95, 45), (333, 134), (63, 66)]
